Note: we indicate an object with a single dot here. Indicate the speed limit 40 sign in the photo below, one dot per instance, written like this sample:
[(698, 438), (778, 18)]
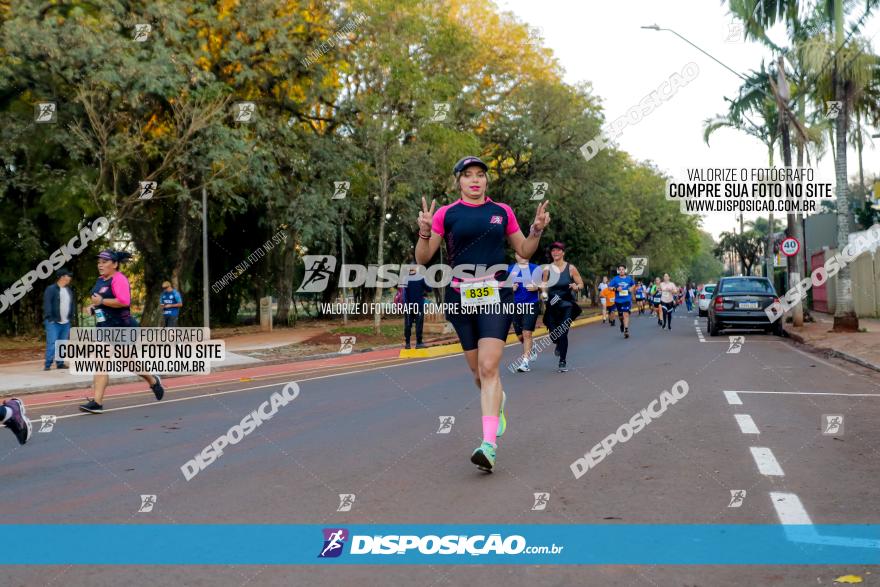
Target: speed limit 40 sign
[(790, 247)]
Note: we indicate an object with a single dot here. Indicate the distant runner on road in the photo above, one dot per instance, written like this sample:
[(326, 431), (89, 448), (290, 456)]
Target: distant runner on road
[(561, 307), (668, 291), (525, 296), (623, 286)]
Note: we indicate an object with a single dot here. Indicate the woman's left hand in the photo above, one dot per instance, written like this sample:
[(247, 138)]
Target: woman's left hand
[(542, 217), (96, 299)]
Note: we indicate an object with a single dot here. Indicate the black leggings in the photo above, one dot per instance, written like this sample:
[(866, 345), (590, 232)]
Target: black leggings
[(416, 318), (559, 335), (667, 313)]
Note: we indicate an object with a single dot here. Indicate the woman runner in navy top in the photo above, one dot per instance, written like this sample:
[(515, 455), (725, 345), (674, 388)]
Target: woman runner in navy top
[(476, 231), (111, 299)]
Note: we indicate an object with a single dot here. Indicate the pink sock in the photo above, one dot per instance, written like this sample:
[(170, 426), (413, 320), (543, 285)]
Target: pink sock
[(490, 429)]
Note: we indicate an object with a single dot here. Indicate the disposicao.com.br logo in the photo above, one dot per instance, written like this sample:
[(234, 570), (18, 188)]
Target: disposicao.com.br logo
[(431, 544)]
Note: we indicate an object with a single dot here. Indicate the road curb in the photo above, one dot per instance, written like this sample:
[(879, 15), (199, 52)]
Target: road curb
[(451, 349), (832, 351)]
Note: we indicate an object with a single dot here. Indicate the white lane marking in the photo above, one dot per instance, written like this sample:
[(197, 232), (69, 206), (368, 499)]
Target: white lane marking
[(700, 334), (281, 383), (733, 398), (746, 424), (766, 462), (789, 508), (798, 526), (813, 393)]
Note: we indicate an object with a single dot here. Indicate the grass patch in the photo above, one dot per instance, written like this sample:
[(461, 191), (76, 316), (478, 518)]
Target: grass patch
[(389, 330)]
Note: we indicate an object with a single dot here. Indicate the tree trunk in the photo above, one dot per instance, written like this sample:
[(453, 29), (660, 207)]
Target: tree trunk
[(380, 245), (797, 262), (768, 245), (845, 319), (284, 281)]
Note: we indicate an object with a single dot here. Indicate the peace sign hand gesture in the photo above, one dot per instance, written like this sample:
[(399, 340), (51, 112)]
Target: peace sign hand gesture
[(542, 217), (426, 217)]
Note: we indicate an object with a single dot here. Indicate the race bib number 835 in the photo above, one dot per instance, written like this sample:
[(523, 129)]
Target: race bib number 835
[(480, 293)]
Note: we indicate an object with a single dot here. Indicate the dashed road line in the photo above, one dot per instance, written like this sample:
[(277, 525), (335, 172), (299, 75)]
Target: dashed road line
[(733, 398), (789, 508), (746, 424), (767, 463)]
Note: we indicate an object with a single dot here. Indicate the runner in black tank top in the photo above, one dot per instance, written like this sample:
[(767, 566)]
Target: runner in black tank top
[(476, 231), (561, 307)]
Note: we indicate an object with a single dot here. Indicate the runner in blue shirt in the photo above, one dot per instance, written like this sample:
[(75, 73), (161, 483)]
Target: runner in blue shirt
[(526, 279), (623, 286), (171, 304), (640, 297)]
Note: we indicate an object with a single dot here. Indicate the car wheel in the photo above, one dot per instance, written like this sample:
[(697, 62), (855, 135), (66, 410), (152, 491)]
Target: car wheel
[(703, 314), (777, 328), (713, 328)]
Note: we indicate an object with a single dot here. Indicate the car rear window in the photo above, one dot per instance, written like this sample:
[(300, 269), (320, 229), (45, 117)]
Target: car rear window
[(746, 285)]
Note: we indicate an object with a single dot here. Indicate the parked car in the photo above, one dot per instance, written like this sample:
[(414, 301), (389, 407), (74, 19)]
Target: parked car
[(704, 298), (739, 302)]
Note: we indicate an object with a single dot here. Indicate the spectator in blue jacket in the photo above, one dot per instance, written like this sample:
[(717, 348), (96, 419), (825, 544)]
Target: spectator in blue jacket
[(59, 309)]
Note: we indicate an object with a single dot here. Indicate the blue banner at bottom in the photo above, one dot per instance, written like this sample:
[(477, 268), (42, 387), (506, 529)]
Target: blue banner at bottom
[(278, 544)]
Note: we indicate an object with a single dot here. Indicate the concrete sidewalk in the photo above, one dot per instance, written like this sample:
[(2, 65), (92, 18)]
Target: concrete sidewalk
[(862, 348), (29, 376)]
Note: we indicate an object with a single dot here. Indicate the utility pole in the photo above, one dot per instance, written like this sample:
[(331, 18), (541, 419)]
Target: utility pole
[(344, 289)]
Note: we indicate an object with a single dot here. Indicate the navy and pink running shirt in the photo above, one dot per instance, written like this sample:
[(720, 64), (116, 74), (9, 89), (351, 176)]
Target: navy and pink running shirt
[(475, 234)]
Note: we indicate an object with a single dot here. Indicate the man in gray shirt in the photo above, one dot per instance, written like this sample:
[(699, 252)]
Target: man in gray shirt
[(59, 307)]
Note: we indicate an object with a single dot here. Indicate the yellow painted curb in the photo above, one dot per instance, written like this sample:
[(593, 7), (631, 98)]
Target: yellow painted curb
[(451, 349)]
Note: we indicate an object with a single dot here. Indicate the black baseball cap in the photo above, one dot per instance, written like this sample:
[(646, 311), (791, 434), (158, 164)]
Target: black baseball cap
[(557, 245), (62, 272), (465, 162)]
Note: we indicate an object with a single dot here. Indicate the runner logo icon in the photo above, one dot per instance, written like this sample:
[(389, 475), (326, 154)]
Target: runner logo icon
[(147, 503), (832, 424), (346, 344), (736, 498), (346, 500), (495, 220), (319, 268), (736, 343), (47, 422), (638, 265), (446, 423), (334, 541), (541, 501)]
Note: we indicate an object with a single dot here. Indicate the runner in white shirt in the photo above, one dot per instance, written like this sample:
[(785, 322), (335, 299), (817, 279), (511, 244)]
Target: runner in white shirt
[(602, 287), (668, 291)]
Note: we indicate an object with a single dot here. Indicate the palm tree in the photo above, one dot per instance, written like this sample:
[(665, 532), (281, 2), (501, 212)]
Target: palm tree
[(849, 75), (754, 98)]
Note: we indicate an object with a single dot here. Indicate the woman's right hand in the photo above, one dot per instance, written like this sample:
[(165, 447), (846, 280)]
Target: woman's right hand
[(426, 217)]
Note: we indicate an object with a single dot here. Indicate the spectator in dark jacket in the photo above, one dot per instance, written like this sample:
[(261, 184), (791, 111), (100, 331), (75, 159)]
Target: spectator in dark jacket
[(59, 309), (414, 301)]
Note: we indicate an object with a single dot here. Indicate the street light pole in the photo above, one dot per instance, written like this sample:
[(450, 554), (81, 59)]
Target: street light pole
[(344, 289), (206, 321), (654, 27)]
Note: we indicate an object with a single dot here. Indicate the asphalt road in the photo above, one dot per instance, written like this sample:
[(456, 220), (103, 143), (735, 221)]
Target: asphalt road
[(374, 433)]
